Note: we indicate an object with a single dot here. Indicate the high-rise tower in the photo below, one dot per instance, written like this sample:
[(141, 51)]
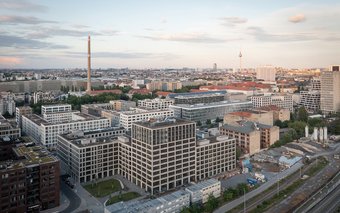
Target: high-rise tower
[(88, 89)]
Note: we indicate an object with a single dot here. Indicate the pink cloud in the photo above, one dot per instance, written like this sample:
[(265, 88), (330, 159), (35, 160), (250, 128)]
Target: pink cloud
[(10, 60)]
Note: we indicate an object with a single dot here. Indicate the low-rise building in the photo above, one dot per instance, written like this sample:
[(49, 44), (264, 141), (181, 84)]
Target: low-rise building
[(122, 105), (201, 191), (263, 117)]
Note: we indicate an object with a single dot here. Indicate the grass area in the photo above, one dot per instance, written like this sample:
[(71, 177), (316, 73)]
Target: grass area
[(265, 205), (123, 197), (103, 188)]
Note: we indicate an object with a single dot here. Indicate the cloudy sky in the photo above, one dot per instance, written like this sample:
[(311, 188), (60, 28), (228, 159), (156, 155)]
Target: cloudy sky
[(169, 33)]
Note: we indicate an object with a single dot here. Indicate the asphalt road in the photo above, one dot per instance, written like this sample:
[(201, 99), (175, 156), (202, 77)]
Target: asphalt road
[(329, 204), (71, 196)]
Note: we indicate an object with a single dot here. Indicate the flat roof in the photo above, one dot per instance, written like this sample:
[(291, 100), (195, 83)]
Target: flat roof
[(245, 126), (209, 105), (167, 122), (201, 185), (26, 156)]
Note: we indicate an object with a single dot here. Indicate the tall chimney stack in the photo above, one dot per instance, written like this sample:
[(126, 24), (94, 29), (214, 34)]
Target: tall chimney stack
[(88, 89)]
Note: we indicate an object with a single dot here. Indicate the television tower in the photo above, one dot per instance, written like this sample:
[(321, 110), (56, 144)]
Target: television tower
[(88, 88), (240, 56)]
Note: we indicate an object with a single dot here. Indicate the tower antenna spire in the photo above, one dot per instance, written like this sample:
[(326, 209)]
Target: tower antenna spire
[(88, 89)]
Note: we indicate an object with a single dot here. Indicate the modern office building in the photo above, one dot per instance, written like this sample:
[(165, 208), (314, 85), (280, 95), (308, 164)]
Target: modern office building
[(122, 105), (127, 118), (20, 111), (330, 90), (56, 108), (203, 112), (283, 101), (59, 117), (9, 129), (200, 98), (157, 103), (266, 73), (90, 155), (251, 137), (46, 133), (161, 155), (215, 155), (29, 179)]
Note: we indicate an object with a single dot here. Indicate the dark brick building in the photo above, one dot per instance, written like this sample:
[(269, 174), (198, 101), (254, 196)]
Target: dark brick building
[(29, 178)]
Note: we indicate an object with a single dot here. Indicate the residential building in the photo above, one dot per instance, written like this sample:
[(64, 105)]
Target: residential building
[(164, 85), (59, 117), (203, 112), (310, 100), (20, 111), (283, 101), (90, 155), (266, 73), (7, 104), (29, 179), (251, 137), (40, 96), (278, 113), (46, 133), (263, 117), (214, 156), (9, 129), (157, 103), (330, 90)]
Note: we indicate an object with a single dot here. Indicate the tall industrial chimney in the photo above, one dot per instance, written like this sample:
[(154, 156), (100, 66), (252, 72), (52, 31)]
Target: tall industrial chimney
[(88, 89)]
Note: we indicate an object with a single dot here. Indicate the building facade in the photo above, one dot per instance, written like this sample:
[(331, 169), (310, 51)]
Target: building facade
[(8, 129), (29, 179), (56, 108), (152, 104), (283, 101), (90, 155), (330, 90), (46, 133), (203, 112), (266, 73)]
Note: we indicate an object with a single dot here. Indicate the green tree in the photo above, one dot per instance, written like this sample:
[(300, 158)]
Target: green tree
[(302, 114), (208, 122), (211, 204), (199, 123), (299, 127)]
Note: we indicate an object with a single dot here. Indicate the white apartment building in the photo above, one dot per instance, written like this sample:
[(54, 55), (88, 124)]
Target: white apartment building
[(46, 133), (266, 73), (56, 108), (127, 118), (200, 192), (90, 155), (310, 100), (220, 150), (8, 129), (283, 101), (330, 90), (157, 103)]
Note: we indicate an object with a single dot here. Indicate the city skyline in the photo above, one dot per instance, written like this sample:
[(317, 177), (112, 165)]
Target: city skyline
[(168, 34)]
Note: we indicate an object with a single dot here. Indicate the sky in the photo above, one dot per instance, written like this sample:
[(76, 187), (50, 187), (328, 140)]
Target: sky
[(169, 33)]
